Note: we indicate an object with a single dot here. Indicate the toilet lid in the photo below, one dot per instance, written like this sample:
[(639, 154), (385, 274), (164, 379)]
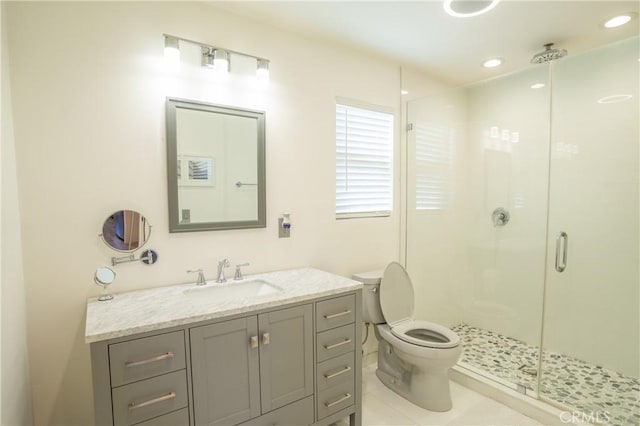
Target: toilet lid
[(396, 294)]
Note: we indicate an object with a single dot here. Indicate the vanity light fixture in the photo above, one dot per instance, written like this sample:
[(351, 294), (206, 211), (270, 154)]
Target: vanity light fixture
[(215, 57), (492, 63), (537, 85), (618, 21)]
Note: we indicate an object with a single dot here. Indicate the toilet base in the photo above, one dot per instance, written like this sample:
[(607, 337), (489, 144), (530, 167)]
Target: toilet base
[(425, 398), (427, 389)]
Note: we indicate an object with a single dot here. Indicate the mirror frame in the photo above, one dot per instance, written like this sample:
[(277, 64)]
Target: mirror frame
[(172, 167)]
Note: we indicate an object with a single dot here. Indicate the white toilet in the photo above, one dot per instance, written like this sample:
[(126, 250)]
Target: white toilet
[(414, 356)]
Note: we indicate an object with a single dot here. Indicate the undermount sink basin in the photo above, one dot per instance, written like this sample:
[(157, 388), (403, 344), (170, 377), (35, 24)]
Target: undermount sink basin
[(233, 290)]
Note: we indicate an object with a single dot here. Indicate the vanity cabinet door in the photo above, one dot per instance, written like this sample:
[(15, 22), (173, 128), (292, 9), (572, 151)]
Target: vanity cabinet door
[(225, 372), (286, 356)]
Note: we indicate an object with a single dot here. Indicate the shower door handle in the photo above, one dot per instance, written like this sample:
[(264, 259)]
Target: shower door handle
[(562, 244)]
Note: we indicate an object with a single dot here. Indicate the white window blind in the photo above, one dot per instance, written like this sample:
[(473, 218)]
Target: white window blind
[(364, 162), (435, 157)]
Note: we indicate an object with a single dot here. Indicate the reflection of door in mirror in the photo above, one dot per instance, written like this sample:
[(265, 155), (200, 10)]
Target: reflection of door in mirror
[(215, 152), (125, 230)]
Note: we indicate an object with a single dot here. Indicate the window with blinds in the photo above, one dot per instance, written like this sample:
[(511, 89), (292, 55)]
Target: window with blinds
[(364, 162), (435, 157)]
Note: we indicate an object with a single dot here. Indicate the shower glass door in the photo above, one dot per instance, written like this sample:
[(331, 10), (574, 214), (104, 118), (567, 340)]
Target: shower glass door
[(477, 182), (591, 331)]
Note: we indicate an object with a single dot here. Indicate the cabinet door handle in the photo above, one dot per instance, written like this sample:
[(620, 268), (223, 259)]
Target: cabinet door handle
[(337, 373), (338, 401), (253, 341), (266, 339), (162, 357), (339, 314), (134, 406), (335, 345), (560, 239)]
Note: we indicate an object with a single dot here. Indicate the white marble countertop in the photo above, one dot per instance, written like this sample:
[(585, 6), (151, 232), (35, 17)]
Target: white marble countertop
[(163, 307)]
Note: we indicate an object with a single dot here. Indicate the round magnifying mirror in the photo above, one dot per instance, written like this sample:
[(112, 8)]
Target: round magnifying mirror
[(126, 231), (103, 277)]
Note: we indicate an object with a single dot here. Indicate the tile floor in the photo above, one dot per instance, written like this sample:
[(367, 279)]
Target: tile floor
[(381, 406), (569, 381)]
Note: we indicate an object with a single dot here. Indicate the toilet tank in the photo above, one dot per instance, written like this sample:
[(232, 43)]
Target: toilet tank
[(371, 311)]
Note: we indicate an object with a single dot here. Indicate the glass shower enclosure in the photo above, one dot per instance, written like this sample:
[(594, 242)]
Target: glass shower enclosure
[(523, 228)]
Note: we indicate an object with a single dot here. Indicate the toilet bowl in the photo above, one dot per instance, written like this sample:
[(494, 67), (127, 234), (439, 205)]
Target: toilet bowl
[(414, 356)]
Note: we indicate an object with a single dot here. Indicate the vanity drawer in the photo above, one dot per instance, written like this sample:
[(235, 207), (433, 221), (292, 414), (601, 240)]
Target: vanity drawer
[(149, 398), (298, 413), (335, 312), (335, 371), (175, 418), (332, 343), (147, 357), (335, 399)]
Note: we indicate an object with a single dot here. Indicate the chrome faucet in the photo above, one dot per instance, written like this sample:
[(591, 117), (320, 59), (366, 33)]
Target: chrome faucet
[(201, 280), (224, 263), (238, 276)]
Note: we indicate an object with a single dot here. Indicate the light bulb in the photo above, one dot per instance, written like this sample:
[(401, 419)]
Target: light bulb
[(221, 60), (262, 72), (171, 51)]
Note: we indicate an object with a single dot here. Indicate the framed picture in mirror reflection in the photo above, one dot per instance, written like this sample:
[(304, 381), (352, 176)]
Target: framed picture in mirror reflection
[(196, 171)]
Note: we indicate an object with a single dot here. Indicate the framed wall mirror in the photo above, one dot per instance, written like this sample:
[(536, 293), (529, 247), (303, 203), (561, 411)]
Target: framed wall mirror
[(216, 167)]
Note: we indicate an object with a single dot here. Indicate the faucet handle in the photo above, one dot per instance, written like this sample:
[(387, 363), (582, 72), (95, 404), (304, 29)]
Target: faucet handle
[(238, 276), (201, 278)]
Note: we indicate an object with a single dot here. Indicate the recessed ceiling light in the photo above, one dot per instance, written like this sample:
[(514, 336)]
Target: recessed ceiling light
[(614, 98), (404, 92), (492, 63), (537, 86), (467, 9), (619, 20)]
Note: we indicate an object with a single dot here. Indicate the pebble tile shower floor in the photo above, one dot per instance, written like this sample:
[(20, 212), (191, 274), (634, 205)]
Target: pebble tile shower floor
[(569, 381)]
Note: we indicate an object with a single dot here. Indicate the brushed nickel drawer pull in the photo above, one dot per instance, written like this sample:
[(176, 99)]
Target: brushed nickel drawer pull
[(335, 345), (162, 357), (339, 314), (337, 373), (134, 406), (338, 401), (266, 339)]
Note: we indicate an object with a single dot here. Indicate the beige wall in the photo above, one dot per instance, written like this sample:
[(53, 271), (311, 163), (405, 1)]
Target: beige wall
[(15, 407), (89, 89)]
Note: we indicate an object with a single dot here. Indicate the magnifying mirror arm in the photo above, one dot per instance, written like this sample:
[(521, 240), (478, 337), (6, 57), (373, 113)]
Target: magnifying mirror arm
[(123, 259), (148, 256)]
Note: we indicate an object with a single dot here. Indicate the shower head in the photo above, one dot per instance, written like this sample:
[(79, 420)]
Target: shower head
[(548, 55)]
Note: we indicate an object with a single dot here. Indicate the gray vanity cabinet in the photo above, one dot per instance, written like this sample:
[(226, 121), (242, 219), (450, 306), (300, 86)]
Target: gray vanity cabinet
[(297, 364), (250, 366)]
